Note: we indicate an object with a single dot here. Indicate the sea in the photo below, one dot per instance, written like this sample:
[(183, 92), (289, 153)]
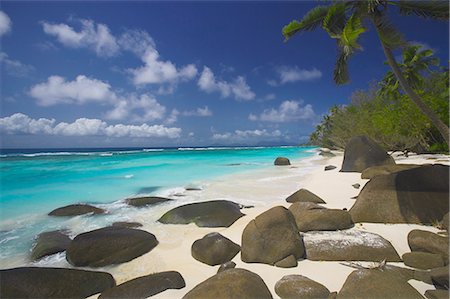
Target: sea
[(33, 182)]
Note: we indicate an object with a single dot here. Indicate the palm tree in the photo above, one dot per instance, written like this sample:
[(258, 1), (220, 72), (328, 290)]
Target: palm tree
[(343, 20)]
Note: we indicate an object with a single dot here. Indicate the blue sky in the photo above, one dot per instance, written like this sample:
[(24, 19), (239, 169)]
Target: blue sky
[(118, 74)]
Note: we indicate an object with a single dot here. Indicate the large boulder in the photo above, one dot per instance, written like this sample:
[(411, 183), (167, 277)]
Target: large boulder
[(437, 294), (75, 210), (109, 245), (304, 195), (371, 172), (445, 222), (298, 286), (49, 243), (215, 213), (126, 224), (33, 282), (424, 241), (271, 237), (348, 245), (418, 195), (282, 161), (314, 219), (145, 201), (439, 277), (376, 284), (423, 260), (146, 286), (230, 284), (214, 249), (362, 152)]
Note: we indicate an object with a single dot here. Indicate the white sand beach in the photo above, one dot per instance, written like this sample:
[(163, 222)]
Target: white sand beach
[(265, 189)]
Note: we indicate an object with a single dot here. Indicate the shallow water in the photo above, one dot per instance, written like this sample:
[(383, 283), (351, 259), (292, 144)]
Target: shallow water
[(33, 184)]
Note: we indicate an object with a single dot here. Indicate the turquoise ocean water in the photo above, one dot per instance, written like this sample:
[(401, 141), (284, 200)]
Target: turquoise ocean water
[(34, 183)]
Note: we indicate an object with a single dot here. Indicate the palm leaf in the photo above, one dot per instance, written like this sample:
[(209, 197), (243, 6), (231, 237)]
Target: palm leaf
[(309, 22), (340, 73), (426, 9), (352, 30), (335, 20), (389, 35)]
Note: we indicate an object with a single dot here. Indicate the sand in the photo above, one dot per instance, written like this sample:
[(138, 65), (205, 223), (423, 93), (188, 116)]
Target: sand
[(265, 189)]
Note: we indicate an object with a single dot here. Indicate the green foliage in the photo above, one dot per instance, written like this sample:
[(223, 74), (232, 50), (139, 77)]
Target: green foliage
[(309, 22), (425, 9)]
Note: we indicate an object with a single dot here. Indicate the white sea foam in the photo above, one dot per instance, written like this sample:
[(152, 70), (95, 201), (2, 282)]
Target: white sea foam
[(129, 176)]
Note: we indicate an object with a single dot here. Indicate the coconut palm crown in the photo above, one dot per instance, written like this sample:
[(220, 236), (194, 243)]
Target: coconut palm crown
[(346, 20)]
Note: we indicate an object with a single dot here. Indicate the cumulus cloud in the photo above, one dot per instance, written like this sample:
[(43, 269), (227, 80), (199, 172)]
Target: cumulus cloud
[(173, 117), (238, 88), (22, 124), (14, 67), (79, 91), (289, 74), (96, 37), (288, 111), (5, 23), (202, 112), (241, 135), (137, 108)]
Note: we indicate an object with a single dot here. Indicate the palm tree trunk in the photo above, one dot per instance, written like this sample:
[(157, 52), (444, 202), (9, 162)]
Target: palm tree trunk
[(437, 122)]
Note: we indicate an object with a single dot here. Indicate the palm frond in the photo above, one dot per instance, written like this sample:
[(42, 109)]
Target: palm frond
[(309, 22), (335, 20), (340, 73), (433, 9), (352, 30), (389, 35)]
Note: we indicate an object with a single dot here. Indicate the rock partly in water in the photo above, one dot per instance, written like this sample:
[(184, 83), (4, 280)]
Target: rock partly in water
[(226, 266), (418, 195), (304, 195), (271, 237), (282, 161), (437, 294), (298, 286), (127, 224), (423, 260), (146, 286), (216, 213), (49, 243), (348, 245), (34, 282), (231, 284), (425, 241), (371, 172), (75, 210), (362, 152), (145, 201), (329, 167), (376, 284), (109, 245), (214, 249), (316, 219)]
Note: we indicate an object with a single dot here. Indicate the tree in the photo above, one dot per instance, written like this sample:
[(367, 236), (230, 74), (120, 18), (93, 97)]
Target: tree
[(343, 21)]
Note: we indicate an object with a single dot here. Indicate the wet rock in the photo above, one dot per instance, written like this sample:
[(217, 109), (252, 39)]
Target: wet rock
[(75, 210), (362, 152), (271, 237), (146, 286), (298, 286), (282, 161), (34, 282), (214, 249), (230, 284), (329, 167), (216, 213), (227, 266), (49, 243), (423, 260), (348, 245), (424, 241), (145, 201), (127, 224), (304, 195), (376, 284), (371, 172), (109, 245), (418, 195)]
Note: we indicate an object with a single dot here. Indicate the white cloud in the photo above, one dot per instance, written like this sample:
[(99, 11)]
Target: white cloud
[(5, 23), (199, 112), (96, 37), (82, 90), (173, 117), (287, 112), (238, 88), (137, 108), (14, 67), (156, 71), (136, 41), (289, 74), (242, 135), (22, 124)]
